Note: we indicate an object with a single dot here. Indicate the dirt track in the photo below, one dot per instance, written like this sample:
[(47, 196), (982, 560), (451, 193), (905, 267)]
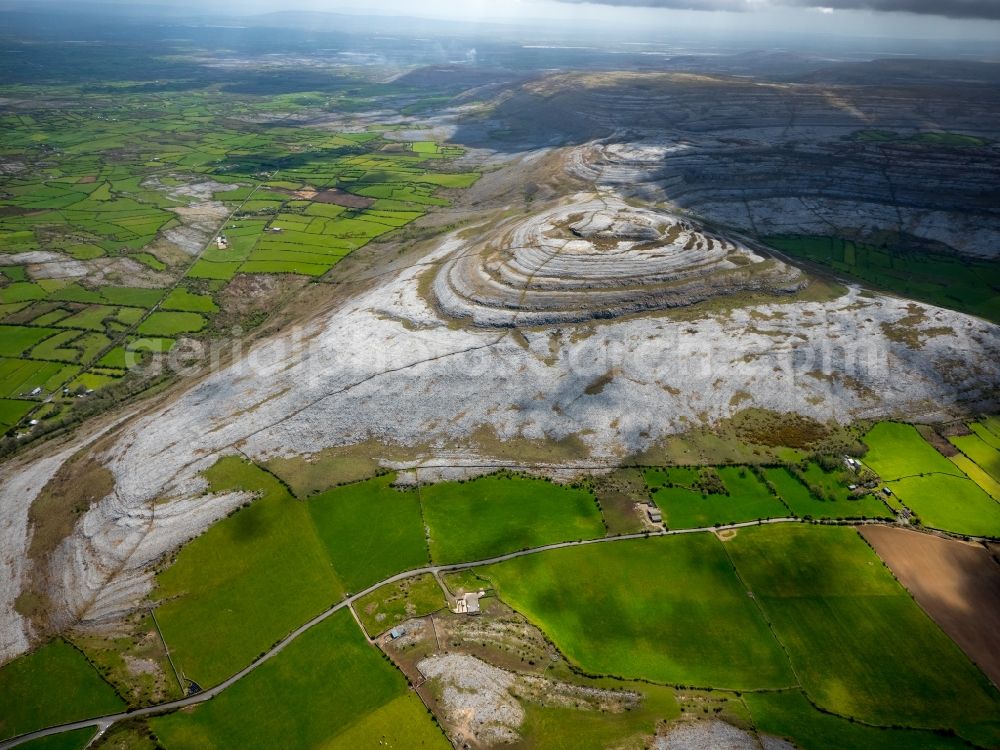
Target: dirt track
[(956, 583)]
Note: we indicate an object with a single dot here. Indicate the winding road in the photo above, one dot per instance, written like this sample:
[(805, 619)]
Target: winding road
[(102, 723)]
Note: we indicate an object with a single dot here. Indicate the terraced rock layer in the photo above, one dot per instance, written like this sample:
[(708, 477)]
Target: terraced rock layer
[(598, 257)]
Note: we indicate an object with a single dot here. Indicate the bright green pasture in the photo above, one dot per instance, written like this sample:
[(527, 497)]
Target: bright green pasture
[(972, 470), (132, 296), (404, 722), (950, 503), (668, 609), (991, 424), (21, 291), (389, 605), (171, 323), (492, 515), (978, 447), (183, 300), (677, 475), (790, 715), (858, 642), (897, 450), (12, 410), (246, 582), (52, 685), (748, 500), (323, 683), (983, 430), (369, 530), (805, 504), (204, 269), (16, 340)]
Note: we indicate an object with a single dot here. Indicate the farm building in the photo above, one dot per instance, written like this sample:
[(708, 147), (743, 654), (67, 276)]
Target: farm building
[(468, 604)]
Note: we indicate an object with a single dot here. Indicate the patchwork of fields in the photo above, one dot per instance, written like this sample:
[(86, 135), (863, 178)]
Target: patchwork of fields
[(122, 228), (956, 495), (698, 498), (804, 612), (329, 686), (772, 607)]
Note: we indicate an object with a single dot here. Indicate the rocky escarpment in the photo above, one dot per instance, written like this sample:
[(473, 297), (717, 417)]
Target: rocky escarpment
[(920, 161)]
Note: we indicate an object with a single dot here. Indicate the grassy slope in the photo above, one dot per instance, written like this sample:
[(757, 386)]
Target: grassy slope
[(246, 582), (665, 609), (325, 681), (29, 684), (497, 514), (370, 530), (857, 641)]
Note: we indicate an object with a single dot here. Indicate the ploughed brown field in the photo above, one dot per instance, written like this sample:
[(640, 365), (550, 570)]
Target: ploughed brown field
[(956, 583)]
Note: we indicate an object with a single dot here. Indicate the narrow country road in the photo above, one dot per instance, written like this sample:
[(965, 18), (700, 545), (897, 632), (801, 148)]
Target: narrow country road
[(104, 722)]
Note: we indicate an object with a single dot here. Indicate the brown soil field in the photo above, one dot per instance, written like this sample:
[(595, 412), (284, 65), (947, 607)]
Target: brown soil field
[(956, 583)]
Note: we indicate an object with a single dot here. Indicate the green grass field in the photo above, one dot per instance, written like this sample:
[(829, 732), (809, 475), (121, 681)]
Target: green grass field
[(369, 530), (950, 503), (806, 504), (668, 609), (53, 685), (858, 642), (790, 715), (492, 515), (679, 475), (246, 582), (404, 722), (171, 323), (565, 728), (326, 682), (748, 500), (945, 280), (12, 410), (897, 450), (16, 340), (973, 471), (393, 603), (76, 739), (84, 204), (980, 450)]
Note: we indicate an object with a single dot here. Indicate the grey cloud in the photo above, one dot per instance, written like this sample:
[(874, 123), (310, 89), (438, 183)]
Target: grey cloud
[(987, 9), (950, 8)]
